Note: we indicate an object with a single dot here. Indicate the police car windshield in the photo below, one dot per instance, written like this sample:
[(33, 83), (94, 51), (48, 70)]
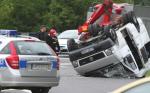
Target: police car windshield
[(33, 48)]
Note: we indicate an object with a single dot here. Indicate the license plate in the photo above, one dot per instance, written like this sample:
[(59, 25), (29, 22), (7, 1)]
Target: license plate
[(40, 67)]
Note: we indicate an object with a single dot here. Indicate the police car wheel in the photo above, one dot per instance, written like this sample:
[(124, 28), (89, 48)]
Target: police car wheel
[(40, 90), (72, 45), (45, 90)]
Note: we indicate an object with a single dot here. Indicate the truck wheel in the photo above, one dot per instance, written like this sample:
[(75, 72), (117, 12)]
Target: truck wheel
[(113, 35), (72, 45), (110, 32), (94, 29)]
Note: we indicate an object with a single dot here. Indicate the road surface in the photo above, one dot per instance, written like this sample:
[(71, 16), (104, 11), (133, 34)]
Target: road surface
[(71, 82)]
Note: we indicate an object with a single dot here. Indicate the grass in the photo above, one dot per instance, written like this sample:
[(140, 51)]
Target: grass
[(147, 74)]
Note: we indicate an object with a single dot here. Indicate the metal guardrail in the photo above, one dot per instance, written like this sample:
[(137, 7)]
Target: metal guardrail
[(147, 24), (142, 11)]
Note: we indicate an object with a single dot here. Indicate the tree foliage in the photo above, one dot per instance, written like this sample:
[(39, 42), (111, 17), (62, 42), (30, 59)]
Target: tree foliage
[(28, 15)]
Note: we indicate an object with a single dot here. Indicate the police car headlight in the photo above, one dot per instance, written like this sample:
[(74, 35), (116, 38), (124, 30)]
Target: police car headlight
[(75, 64), (108, 52)]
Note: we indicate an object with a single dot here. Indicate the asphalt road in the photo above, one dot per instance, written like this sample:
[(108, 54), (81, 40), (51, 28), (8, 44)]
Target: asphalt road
[(71, 82)]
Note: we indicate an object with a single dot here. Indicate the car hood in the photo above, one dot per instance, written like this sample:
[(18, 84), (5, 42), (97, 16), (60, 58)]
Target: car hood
[(62, 41)]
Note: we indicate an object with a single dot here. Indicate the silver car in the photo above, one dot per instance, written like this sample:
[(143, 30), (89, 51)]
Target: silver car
[(64, 36), (27, 63)]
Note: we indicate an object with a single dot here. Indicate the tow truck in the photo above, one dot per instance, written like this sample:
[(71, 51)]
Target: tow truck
[(112, 42)]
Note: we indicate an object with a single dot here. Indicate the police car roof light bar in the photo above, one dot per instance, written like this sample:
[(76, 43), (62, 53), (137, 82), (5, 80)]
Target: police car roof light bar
[(8, 32)]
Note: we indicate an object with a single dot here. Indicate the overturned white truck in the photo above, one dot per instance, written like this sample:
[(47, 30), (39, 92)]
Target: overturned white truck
[(123, 51)]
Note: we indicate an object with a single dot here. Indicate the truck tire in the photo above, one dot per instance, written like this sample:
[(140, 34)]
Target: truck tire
[(110, 32), (72, 45), (113, 35), (94, 29)]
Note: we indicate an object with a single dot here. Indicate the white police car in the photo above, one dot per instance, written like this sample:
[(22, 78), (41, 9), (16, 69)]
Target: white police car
[(27, 63)]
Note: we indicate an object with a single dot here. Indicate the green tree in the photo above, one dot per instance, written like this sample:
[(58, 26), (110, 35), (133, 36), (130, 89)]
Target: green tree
[(60, 16), (6, 9), (28, 15)]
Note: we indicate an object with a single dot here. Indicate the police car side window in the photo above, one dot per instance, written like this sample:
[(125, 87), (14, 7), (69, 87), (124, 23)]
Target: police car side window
[(5, 50)]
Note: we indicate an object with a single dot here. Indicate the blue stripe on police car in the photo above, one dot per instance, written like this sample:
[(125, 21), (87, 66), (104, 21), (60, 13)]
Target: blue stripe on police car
[(2, 63)]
